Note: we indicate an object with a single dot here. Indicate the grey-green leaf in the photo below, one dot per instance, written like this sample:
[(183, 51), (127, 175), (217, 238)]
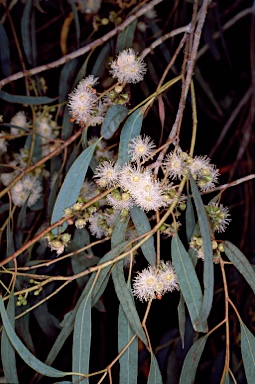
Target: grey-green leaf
[(82, 339), (189, 283), (142, 225), (7, 350), (248, 353), (131, 129), (240, 262), (129, 360), (4, 52), (208, 254), (191, 361), (20, 99), (126, 301), (126, 37), (190, 219), (71, 187), (24, 353), (155, 374), (114, 116)]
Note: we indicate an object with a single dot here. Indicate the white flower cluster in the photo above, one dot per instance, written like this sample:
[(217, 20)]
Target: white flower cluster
[(26, 188), (178, 163), (18, 121), (3, 143), (218, 216), (154, 282)]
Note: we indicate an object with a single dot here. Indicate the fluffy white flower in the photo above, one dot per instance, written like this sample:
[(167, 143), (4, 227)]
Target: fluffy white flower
[(141, 148), (3, 143), (83, 101), (88, 190), (174, 164), (27, 187), (155, 282), (98, 225), (204, 173), (20, 121), (119, 200), (107, 174), (128, 68)]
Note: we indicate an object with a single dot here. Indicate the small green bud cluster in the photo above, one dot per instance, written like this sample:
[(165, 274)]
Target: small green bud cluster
[(58, 243), (196, 243), (22, 300)]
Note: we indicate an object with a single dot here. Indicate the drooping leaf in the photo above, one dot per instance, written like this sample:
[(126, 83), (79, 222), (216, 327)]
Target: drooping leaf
[(114, 116), (191, 361), (120, 227), (208, 254), (190, 219), (131, 129), (24, 353), (142, 225), (129, 360), (20, 99), (126, 37), (189, 283), (4, 52), (248, 353), (7, 350), (99, 66), (68, 322), (155, 374), (71, 187), (82, 339), (26, 28), (241, 263), (76, 22), (126, 301), (181, 318)]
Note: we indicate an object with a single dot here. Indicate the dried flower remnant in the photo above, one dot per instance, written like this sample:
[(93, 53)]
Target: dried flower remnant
[(128, 68)]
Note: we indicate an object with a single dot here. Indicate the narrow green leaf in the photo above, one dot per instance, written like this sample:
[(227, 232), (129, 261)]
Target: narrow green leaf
[(66, 79), (208, 254), (126, 37), (190, 219), (24, 353), (68, 322), (126, 301), (7, 350), (155, 374), (131, 129), (191, 361), (240, 262), (71, 187), (181, 318), (20, 99), (26, 28), (129, 360), (22, 328), (226, 379), (4, 52), (114, 116), (67, 125), (248, 353), (76, 22), (118, 235), (189, 283), (142, 225), (99, 66), (82, 339)]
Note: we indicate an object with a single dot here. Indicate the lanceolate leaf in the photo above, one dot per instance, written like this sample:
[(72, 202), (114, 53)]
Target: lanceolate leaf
[(24, 353), (142, 225), (190, 219), (248, 353), (19, 99), (71, 187), (126, 37), (154, 375), (191, 361), (189, 283), (208, 255), (4, 52), (82, 339), (7, 350), (131, 129), (114, 116), (241, 263), (129, 360), (126, 301)]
